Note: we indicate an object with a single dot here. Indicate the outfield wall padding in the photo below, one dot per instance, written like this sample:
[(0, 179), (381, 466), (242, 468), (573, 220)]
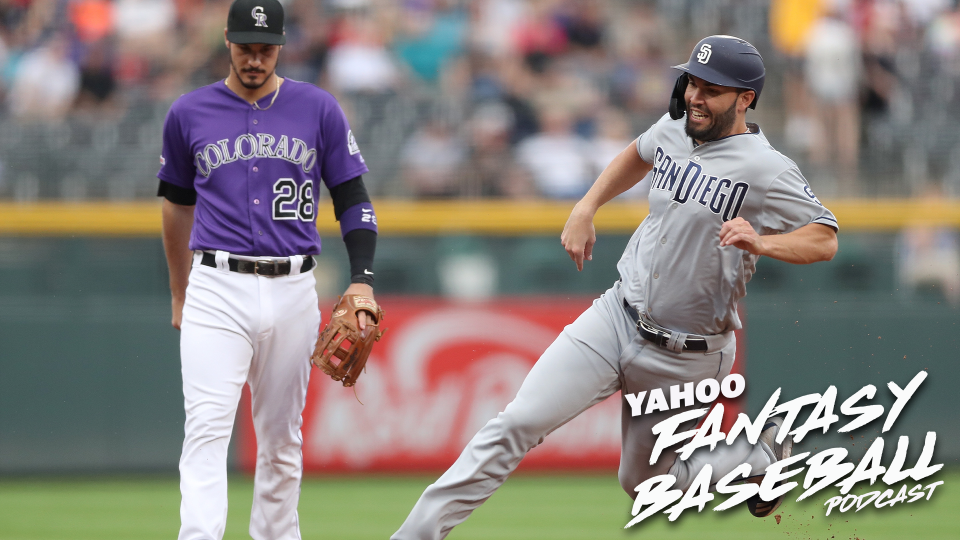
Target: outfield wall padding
[(89, 365)]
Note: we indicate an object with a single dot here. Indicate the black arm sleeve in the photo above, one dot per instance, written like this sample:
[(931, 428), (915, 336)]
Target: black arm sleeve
[(176, 194), (347, 194), (361, 245)]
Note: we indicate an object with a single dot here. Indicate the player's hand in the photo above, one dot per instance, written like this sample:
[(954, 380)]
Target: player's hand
[(364, 290), (177, 308), (579, 236), (739, 233)]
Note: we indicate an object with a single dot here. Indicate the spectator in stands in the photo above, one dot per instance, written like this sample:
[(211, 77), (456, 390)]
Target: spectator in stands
[(583, 23), (92, 19), (492, 26), (487, 172), (517, 93), (929, 256), (833, 70), (7, 64), (97, 82), (307, 32), (570, 85), (430, 36), (146, 52), (202, 58), (613, 135), (431, 160), (640, 77), (45, 84), (29, 22), (944, 39), (557, 158), (921, 12), (790, 23), (359, 60), (880, 29), (145, 26), (539, 37)]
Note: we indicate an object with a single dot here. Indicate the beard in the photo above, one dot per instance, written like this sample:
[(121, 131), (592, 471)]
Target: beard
[(248, 85), (719, 126)]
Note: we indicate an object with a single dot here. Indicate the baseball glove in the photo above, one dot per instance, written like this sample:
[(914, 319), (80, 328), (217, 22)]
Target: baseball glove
[(342, 350)]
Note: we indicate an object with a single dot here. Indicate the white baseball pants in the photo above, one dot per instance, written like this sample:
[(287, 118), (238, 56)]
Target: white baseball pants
[(595, 356), (236, 329)]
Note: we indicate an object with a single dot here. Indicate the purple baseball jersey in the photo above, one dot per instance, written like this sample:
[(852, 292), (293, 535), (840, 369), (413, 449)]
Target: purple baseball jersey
[(256, 172)]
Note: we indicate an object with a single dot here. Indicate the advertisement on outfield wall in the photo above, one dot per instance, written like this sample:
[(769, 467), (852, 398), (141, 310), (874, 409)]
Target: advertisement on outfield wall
[(440, 372)]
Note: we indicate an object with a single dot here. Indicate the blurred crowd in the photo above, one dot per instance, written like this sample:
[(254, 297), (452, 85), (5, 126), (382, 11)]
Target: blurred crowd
[(488, 98), (856, 70)]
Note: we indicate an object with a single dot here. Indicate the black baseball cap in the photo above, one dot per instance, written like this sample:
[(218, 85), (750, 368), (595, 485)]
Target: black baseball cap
[(256, 21)]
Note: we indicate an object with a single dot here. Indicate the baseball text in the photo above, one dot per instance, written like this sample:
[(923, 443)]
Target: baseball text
[(826, 468)]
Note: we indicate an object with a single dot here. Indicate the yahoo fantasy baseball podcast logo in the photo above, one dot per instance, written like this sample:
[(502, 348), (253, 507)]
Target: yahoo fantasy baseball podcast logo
[(824, 469)]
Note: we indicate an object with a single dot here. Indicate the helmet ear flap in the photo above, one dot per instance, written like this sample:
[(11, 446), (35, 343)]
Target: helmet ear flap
[(678, 105)]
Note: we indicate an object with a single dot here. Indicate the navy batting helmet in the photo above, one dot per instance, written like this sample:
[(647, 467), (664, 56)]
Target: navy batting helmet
[(723, 60)]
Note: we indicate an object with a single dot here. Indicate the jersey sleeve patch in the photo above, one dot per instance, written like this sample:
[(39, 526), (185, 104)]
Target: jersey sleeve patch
[(352, 145), (791, 204), (341, 159)]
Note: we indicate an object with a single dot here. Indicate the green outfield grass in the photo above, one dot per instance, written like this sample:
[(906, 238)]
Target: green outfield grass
[(528, 507)]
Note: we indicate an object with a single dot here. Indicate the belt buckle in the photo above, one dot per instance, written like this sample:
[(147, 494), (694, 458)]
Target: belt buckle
[(660, 337), (275, 265), (653, 330)]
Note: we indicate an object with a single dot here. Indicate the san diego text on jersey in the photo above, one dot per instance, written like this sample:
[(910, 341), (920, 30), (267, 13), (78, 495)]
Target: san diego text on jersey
[(696, 185)]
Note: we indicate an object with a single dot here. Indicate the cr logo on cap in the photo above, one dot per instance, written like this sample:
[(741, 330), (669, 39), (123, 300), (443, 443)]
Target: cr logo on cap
[(703, 56), (259, 16)]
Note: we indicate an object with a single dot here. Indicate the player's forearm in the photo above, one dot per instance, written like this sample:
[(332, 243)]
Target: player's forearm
[(624, 172), (808, 244), (177, 223)]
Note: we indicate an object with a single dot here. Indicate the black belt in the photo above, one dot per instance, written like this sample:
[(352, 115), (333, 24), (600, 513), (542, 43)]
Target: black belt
[(661, 337), (263, 267)]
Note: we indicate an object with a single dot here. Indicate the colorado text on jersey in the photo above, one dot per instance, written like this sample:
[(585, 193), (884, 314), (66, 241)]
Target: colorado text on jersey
[(249, 146)]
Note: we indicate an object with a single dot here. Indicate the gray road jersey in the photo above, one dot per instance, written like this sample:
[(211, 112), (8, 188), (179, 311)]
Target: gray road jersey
[(673, 268)]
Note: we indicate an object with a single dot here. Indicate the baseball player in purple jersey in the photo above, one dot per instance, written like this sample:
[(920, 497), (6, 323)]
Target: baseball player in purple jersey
[(242, 162)]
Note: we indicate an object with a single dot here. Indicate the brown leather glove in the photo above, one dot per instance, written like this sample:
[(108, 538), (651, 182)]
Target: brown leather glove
[(341, 338)]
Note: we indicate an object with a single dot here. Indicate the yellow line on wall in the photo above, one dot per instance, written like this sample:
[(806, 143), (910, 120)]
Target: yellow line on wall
[(399, 217)]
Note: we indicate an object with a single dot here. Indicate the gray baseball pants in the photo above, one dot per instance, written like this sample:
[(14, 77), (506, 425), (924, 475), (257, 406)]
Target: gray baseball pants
[(595, 356)]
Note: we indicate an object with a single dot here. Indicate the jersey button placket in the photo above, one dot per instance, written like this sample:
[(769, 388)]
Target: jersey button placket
[(665, 223), (256, 225)]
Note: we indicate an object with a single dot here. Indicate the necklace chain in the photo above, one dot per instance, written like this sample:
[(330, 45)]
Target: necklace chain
[(256, 105), (275, 94)]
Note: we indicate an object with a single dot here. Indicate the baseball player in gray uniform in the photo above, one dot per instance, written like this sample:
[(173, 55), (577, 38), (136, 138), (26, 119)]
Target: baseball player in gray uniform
[(720, 197), (241, 162)]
